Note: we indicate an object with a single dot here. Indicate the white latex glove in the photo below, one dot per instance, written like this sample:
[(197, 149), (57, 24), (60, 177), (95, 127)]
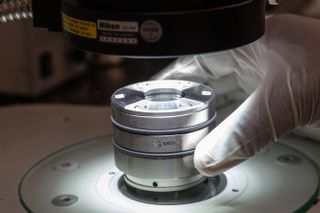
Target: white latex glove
[(287, 58)]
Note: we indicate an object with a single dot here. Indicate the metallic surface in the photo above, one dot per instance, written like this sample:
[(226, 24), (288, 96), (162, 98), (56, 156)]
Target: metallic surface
[(260, 184), (159, 143), (172, 121), (163, 185), (155, 124), (165, 104), (169, 173), (153, 155), (206, 189)]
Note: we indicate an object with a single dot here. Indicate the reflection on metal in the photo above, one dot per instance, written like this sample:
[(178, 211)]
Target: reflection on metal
[(157, 125), (207, 189), (164, 185)]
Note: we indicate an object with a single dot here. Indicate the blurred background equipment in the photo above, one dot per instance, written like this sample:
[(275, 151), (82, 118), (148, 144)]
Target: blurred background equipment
[(39, 66), (33, 61)]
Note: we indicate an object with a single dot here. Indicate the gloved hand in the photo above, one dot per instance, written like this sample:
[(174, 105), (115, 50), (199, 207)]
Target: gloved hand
[(286, 60)]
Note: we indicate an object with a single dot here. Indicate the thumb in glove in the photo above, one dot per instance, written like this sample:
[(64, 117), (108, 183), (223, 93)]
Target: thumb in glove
[(288, 97)]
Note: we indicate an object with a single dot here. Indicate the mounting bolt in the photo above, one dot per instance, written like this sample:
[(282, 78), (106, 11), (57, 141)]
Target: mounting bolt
[(289, 159), (64, 200), (66, 166)]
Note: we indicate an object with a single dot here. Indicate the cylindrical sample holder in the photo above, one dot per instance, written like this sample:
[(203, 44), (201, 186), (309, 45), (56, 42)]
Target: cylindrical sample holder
[(157, 125)]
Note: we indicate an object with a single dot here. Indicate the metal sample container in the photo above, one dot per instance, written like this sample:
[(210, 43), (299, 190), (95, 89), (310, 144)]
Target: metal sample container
[(157, 125)]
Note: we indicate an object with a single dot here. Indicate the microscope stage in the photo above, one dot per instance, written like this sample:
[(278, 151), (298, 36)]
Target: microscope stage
[(83, 178)]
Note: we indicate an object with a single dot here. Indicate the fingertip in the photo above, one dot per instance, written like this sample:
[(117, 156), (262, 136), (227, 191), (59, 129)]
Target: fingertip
[(204, 163)]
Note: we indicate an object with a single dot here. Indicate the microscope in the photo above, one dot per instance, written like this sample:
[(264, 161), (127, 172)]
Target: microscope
[(147, 165)]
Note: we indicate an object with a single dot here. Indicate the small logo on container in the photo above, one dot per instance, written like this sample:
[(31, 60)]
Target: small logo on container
[(151, 31)]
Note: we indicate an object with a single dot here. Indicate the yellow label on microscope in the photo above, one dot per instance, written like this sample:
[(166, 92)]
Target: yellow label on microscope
[(79, 27)]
